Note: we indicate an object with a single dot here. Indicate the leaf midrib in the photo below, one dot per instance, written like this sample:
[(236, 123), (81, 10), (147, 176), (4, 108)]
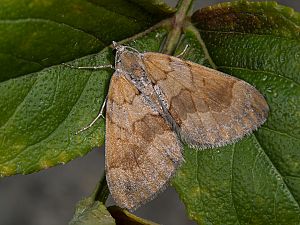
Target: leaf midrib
[(19, 58), (42, 20), (250, 34)]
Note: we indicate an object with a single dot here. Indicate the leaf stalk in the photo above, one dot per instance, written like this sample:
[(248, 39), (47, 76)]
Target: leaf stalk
[(183, 11)]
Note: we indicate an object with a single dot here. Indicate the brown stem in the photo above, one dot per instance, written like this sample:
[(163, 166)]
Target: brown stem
[(183, 10)]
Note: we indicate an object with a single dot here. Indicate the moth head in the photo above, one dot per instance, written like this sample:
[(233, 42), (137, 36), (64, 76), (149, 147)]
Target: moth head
[(118, 47)]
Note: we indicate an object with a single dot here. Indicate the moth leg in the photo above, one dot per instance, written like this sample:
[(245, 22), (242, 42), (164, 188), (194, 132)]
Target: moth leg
[(89, 67), (183, 52), (100, 114)]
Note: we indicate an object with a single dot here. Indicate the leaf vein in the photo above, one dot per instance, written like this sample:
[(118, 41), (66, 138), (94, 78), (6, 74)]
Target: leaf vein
[(54, 130), (293, 176), (277, 171), (274, 203), (231, 186), (261, 71), (278, 132), (19, 106), (290, 21)]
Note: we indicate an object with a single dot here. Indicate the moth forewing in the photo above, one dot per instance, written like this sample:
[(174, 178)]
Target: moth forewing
[(211, 108), (142, 152)]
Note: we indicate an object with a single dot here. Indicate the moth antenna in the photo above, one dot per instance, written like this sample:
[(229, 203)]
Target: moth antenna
[(183, 52), (89, 67), (133, 49), (100, 114)]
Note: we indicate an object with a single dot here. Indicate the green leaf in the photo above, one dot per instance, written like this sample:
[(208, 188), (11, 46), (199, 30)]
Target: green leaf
[(40, 112), (37, 34), (90, 212), (254, 181)]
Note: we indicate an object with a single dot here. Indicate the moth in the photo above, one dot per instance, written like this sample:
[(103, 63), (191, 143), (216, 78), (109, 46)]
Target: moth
[(157, 102)]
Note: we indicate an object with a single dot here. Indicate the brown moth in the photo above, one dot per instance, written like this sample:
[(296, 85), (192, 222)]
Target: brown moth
[(154, 102)]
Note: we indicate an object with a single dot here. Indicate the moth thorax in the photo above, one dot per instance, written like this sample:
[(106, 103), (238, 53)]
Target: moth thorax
[(131, 63)]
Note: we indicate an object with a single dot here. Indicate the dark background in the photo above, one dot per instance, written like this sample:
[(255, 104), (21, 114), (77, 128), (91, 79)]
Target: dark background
[(49, 197)]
